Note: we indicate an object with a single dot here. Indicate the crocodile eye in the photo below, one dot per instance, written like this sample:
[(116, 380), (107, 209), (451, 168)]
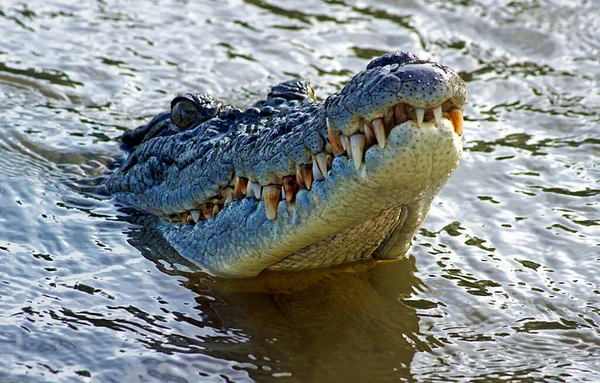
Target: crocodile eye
[(183, 113)]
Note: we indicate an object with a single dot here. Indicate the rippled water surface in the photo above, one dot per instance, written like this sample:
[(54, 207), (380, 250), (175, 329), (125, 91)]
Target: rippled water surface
[(503, 283)]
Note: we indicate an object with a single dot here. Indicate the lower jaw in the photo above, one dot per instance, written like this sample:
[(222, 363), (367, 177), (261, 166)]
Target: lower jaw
[(363, 238)]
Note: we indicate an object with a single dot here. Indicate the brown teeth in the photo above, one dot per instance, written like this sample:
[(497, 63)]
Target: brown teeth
[(388, 117), (456, 116), (334, 140), (173, 218), (241, 186), (289, 187), (216, 210), (400, 114), (369, 136), (299, 178), (271, 197), (207, 210), (186, 217), (328, 149), (307, 175)]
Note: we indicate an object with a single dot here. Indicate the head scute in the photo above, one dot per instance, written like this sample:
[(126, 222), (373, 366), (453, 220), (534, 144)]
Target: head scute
[(292, 90), (400, 58)]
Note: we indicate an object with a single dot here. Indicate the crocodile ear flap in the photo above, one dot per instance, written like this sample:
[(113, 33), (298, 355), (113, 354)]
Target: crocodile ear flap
[(189, 110)]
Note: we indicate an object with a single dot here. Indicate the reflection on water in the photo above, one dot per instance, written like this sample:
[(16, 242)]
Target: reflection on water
[(307, 331), (502, 285), (299, 323)]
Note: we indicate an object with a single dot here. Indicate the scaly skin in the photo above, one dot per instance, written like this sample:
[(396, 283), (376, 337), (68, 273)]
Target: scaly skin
[(386, 143)]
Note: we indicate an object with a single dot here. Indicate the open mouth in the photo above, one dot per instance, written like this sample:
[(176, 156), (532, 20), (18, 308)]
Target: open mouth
[(354, 146)]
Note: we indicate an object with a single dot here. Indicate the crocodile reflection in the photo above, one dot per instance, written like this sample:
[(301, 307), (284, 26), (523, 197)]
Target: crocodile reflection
[(315, 325)]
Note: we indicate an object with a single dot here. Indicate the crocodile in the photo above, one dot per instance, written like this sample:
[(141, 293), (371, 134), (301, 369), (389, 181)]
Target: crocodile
[(292, 183)]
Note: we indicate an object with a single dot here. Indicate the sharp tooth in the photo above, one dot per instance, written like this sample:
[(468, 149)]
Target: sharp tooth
[(328, 149), (229, 198), (379, 129), (456, 115), (215, 210), (186, 217), (271, 197), (195, 215), (299, 178), (307, 176), (345, 142), (256, 189), (400, 114), (420, 115), (357, 142), (369, 136), (334, 140), (437, 114), (207, 210), (241, 185), (317, 175), (322, 163), (289, 187)]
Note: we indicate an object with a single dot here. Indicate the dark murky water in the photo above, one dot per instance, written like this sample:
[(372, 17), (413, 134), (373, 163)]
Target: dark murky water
[(503, 283)]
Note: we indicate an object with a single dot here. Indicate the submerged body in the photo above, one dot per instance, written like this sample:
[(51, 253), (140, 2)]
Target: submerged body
[(292, 183)]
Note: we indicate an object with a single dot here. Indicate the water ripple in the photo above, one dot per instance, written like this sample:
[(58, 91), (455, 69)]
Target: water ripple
[(502, 284)]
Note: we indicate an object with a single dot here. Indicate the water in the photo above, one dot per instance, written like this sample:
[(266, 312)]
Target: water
[(503, 283)]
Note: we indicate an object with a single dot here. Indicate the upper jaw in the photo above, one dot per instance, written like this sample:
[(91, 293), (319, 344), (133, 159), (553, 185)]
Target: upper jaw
[(396, 81), (389, 93), (394, 89)]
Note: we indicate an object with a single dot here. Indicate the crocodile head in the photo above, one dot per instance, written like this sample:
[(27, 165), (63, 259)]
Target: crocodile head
[(292, 183)]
